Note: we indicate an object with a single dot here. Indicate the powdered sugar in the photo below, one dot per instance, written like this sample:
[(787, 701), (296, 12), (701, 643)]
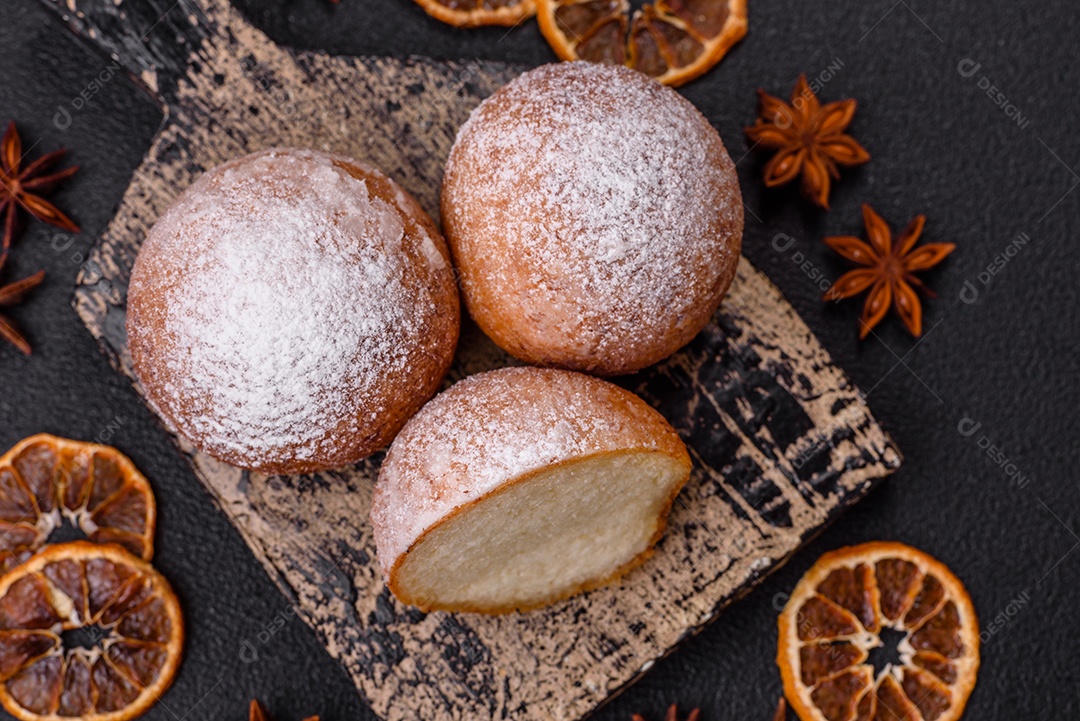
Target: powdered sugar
[(494, 427), (596, 203), (294, 303)]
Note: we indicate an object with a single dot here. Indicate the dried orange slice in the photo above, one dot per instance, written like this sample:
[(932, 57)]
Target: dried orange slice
[(45, 479), (88, 631), (474, 13), (674, 41), (850, 608), (257, 713)]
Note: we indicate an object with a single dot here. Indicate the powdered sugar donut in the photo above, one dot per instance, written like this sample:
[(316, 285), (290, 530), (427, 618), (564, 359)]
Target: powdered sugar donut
[(520, 486), (594, 216), (291, 311)]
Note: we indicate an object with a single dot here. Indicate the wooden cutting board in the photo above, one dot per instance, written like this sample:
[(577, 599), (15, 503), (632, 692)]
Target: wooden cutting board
[(780, 439)]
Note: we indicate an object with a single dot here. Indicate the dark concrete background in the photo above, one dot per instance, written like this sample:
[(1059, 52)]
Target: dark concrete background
[(1006, 520)]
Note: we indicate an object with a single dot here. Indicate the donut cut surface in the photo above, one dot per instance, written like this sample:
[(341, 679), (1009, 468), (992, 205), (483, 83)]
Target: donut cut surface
[(522, 486)]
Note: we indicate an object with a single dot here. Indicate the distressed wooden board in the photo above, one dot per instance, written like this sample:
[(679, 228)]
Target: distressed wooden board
[(780, 438)]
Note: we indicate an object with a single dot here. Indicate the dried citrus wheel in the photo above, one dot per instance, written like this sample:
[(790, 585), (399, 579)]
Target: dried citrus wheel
[(474, 13), (674, 41), (45, 479), (850, 607), (86, 630)]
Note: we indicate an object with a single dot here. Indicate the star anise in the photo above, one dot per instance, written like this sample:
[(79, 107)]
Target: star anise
[(808, 139), (257, 713), (23, 187), (672, 714), (889, 271), (10, 295)]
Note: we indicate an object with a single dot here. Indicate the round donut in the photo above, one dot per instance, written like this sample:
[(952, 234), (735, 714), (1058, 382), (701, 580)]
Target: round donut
[(594, 217), (291, 310), (521, 486)]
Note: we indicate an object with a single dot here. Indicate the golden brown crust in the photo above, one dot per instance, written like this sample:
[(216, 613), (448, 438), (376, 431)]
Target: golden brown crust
[(492, 416), (544, 273), (431, 300)]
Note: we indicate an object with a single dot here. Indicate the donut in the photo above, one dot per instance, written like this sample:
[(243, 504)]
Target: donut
[(594, 216), (522, 486), (291, 310)]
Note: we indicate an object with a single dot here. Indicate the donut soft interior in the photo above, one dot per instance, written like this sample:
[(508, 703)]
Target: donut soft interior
[(545, 536)]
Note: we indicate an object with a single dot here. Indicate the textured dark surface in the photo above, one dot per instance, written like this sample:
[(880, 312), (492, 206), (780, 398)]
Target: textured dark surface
[(781, 442), (940, 146)]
